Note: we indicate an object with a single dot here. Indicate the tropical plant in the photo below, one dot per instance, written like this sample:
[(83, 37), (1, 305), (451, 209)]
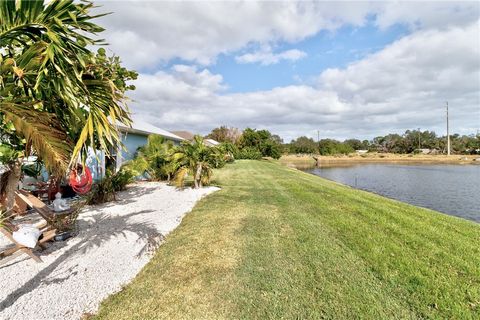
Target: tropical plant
[(197, 160), (105, 190), (251, 153), (156, 159), (56, 97), (229, 150)]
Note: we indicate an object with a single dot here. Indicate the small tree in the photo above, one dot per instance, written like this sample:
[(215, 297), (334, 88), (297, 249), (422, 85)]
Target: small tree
[(195, 159), (156, 158)]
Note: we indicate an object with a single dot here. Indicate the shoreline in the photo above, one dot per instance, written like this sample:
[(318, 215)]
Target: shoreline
[(305, 161)]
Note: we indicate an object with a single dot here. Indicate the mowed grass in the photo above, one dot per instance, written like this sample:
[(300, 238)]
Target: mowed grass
[(276, 243)]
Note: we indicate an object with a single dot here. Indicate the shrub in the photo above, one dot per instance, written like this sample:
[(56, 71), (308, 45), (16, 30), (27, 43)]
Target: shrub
[(249, 153), (229, 150), (104, 190), (121, 179)]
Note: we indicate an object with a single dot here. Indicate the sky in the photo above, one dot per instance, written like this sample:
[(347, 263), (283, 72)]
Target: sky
[(344, 69)]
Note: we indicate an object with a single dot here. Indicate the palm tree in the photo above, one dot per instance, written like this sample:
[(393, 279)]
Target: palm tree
[(195, 159), (56, 97), (155, 158)]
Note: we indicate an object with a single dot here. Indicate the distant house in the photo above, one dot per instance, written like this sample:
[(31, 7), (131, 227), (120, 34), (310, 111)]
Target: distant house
[(211, 142), (361, 151), (423, 151), (187, 135)]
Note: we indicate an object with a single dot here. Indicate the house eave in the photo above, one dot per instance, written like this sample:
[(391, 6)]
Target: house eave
[(146, 133)]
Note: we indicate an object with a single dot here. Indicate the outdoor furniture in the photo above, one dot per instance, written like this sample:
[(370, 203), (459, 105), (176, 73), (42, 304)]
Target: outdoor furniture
[(43, 210), (47, 233), (48, 225)]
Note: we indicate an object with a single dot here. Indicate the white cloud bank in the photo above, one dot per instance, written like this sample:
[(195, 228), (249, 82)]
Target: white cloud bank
[(147, 34), (403, 86)]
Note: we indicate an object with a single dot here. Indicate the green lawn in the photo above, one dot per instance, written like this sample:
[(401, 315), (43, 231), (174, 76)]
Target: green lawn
[(278, 243)]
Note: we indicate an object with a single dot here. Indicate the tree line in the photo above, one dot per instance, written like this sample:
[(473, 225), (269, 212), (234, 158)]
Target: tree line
[(254, 144)]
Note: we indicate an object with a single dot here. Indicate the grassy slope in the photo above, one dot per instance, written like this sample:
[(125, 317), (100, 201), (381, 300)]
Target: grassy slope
[(278, 243)]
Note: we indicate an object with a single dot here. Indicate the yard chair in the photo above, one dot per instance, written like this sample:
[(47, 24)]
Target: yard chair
[(43, 210), (47, 233)]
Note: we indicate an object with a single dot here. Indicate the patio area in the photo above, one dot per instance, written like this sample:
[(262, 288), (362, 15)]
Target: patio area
[(113, 242)]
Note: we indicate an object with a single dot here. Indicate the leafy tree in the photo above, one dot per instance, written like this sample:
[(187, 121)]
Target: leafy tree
[(356, 144), (225, 134), (303, 145), (331, 147), (56, 97), (262, 141)]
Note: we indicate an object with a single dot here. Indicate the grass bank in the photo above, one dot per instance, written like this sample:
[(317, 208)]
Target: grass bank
[(278, 243)]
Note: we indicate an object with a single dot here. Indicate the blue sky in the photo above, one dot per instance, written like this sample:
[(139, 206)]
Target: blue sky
[(348, 69), (327, 49)]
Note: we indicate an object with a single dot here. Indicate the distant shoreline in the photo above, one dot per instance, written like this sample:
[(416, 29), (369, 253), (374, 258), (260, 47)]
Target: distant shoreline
[(304, 160)]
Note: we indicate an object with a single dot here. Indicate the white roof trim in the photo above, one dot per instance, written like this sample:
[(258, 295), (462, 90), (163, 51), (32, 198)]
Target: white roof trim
[(144, 128)]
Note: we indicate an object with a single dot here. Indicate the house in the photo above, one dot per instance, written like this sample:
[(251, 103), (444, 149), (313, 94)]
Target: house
[(132, 138), (136, 136), (187, 135), (211, 142), (423, 151)]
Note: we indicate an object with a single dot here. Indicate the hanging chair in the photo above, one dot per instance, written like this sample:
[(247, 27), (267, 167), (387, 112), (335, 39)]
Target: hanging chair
[(81, 179)]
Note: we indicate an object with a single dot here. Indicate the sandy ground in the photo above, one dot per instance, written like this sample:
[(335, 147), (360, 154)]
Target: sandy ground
[(114, 242)]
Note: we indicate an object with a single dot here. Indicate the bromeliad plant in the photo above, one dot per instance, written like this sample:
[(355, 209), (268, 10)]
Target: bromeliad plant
[(57, 98)]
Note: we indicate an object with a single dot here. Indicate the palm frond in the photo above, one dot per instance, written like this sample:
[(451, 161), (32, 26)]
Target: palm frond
[(43, 135)]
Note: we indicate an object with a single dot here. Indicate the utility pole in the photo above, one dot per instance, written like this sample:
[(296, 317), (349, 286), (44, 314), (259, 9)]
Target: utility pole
[(418, 139), (318, 141), (448, 134)]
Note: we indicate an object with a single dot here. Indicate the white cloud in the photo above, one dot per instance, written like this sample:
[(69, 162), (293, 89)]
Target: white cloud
[(147, 34), (267, 57), (403, 86)]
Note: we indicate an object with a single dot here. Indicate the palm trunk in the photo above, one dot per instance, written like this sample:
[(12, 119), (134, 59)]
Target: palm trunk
[(198, 176), (12, 184)]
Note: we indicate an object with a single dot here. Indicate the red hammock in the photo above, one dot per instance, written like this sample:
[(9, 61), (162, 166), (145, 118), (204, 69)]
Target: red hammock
[(81, 179)]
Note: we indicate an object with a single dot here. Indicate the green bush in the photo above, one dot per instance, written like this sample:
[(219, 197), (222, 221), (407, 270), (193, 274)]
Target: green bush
[(248, 153), (104, 190), (229, 150), (121, 179)]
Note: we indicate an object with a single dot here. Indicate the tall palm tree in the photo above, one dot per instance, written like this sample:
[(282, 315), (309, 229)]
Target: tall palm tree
[(195, 159), (56, 100)]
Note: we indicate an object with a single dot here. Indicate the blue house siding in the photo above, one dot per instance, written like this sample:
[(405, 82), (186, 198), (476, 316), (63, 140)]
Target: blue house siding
[(131, 142)]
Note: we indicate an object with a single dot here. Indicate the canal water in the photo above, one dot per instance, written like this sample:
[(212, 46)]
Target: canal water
[(451, 189)]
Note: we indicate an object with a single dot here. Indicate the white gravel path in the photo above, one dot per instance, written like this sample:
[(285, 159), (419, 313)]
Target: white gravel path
[(113, 244)]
